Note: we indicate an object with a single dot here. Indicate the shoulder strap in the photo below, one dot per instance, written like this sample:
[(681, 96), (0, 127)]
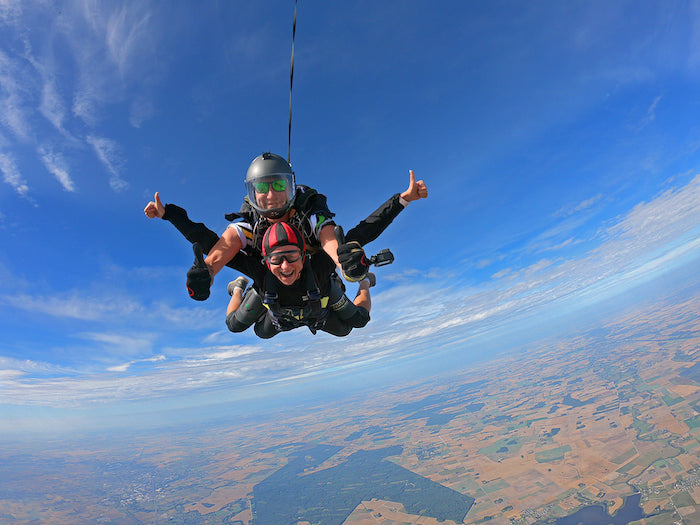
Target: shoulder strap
[(246, 212), (302, 196), (313, 293), (312, 299)]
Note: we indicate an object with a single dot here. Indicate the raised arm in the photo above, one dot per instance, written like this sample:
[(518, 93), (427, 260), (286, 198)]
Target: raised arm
[(226, 248), (350, 254), (329, 243)]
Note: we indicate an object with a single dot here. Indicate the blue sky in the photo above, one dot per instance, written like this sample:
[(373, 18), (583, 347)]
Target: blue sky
[(559, 142)]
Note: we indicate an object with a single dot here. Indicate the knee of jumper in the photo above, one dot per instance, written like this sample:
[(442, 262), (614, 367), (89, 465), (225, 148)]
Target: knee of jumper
[(264, 329), (236, 325), (343, 307), (360, 318)]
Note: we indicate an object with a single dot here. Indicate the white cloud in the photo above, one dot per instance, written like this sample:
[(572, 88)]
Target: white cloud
[(106, 307), (52, 106), (6, 375), (109, 50), (651, 113), (13, 93), (132, 344), (114, 47), (581, 206), (56, 164), (230, 352), (406, 319), (12, 176), (141, 110), (74, 306), (26, 367), (125, 366), (85, 105), (128, 35), (108, 151), (10, 10)]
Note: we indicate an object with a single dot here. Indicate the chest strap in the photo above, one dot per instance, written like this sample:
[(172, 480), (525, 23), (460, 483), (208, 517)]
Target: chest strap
[(312, 313)]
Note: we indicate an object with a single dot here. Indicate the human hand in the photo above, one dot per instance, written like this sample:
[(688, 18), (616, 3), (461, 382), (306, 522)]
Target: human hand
[(155, 209), (351, 257), (415, 190), (198, 277)]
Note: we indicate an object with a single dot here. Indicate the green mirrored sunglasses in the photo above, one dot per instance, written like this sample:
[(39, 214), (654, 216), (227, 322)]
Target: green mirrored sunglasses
[(277, 185)]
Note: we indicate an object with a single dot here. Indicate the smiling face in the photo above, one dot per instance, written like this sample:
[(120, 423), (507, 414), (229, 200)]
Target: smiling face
[(271, 194), (286, 263)]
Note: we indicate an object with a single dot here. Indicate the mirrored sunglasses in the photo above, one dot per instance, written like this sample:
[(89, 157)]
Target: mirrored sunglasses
[(277, 185)]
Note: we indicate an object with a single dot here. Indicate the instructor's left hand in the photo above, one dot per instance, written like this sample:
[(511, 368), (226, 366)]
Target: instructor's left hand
[(416, 189)]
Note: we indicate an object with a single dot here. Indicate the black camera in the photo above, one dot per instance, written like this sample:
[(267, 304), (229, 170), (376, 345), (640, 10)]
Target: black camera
[(383, 258)]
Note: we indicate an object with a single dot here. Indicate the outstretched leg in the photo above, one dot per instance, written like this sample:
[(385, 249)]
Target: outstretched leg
[(346, 315), (243, 309)]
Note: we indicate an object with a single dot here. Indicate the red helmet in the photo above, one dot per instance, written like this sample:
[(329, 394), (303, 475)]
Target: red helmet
[(282, 234)]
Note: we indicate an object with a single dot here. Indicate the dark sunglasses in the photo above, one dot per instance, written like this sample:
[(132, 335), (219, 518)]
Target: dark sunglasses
[(277, 258)]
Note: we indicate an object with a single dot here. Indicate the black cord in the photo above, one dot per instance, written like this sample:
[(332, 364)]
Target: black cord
[(291, 83)]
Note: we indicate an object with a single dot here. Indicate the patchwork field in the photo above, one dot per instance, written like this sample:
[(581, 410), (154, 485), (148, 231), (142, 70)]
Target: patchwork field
[(547, 431)]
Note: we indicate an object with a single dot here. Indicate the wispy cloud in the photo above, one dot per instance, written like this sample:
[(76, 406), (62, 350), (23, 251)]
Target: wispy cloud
[(45, 385), (113, 46), (565, 211), (570, 225), (109, 50), (110, 309), (10, 10), (109, 153), (74, 305), (125, 366), (651, 113), (13, 96), (52, 107), (56, 164), (141, 110), (132, 344), (12, 176), (128, 34), (407, 319), (6, 375)]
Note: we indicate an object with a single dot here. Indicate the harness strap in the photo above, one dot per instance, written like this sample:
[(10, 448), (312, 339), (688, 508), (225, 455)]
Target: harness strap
[(312, 290), (313, 310)]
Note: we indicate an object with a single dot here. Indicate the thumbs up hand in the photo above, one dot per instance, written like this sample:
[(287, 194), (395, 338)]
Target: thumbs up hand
[(351, 257), (154, 208), (198, 277)]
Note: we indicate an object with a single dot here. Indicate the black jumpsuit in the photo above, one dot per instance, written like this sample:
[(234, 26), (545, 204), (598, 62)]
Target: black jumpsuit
[(340, 314)]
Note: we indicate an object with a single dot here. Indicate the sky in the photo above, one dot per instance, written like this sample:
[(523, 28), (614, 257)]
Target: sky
[(559, 142)]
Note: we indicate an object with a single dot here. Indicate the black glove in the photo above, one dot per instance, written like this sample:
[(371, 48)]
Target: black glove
[(198, 277), (351, 257)]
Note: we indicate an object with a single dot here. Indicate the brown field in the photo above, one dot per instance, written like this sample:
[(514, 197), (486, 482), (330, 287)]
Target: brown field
[(588, 420)]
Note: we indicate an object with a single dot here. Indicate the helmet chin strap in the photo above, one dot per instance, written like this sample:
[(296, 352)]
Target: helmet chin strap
[(280, 212), (275, 214)]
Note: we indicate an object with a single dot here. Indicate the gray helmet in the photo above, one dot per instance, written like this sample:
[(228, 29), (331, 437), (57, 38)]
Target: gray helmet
[(270, 177)]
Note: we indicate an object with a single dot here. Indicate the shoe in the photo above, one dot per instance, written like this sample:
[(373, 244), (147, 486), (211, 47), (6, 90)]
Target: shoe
[(241, 282)]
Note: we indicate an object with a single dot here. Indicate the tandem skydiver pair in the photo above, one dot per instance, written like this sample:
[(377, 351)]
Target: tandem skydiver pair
[(287, 292)]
